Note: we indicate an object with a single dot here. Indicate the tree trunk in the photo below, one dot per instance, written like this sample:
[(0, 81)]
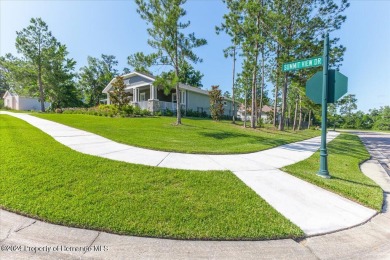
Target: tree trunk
[(41, 95), (254, 99), (262, 83), (234, 71), (309, 121), (300, 113), (275, 104), (256, 110), (178, 96), (40, 85), (276, 87), (295, 115), (178, 108), (245, 106), (288, 116), (284, 104)]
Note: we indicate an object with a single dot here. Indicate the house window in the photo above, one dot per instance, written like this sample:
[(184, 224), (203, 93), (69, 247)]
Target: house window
[(142, 97), (225, 103), (174, 99)]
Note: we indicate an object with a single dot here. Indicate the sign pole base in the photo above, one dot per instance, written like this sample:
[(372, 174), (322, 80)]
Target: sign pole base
[(323, 172)]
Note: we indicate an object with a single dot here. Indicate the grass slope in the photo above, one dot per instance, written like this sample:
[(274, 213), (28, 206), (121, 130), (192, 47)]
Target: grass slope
[(194, 136), (345, 153), (44, 179)]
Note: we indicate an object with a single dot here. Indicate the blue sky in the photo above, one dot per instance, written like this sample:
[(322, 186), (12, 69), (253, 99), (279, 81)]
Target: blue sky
[(92, 28)]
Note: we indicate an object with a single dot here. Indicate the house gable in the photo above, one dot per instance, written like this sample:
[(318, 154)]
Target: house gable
[(8, 94), (131, 79)]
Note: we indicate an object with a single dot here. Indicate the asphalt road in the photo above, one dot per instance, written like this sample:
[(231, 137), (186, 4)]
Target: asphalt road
[(378, 145)]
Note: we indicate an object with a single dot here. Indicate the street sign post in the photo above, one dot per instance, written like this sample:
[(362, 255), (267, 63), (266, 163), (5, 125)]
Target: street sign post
[(303, 64), (334, 86), (323, 172)]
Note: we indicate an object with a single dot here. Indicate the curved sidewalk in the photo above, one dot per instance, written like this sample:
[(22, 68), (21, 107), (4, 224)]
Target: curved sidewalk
[(313, 209)]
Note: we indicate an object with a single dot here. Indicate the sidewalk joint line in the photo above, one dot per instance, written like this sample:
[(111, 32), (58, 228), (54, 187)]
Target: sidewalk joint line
[(21, 228), (163, 159), (93, 241), (7, 236), (303, 244)]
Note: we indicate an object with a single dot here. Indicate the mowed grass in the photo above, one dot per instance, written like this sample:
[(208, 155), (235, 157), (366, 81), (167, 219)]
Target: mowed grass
[(345, 153), (194, 136), (43, 179)]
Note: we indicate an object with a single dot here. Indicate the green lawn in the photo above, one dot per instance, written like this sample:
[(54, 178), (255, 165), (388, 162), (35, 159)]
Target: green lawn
[(194, 136), (344, 155), (43, 179)]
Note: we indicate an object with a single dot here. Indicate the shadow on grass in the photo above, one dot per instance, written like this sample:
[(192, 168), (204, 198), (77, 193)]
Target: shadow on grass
[(347, 147), (254, 139), (354, 182)]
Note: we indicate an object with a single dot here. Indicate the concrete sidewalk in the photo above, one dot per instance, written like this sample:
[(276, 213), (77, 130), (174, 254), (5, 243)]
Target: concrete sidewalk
[(313, 209), (93, 144), (368, 241)]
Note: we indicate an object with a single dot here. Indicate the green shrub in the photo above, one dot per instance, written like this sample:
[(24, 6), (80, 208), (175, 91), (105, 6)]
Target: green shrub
[(137, 111), (168, 112), (146, 112), (128, 110), (109, 110)]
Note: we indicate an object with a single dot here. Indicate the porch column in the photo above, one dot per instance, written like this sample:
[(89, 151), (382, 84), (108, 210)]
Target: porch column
[(151, 91), (108, 99), (135, 95)]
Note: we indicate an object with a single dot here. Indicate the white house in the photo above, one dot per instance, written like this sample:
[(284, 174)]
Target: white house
[(16, 102), (147, 96)]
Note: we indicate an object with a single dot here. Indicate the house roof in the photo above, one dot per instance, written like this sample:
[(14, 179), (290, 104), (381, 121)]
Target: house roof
[(9, 93), (129, 75), (266, 109), (193, 89)]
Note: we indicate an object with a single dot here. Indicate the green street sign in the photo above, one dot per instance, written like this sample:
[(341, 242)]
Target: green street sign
[(303, 64), (337, 86)]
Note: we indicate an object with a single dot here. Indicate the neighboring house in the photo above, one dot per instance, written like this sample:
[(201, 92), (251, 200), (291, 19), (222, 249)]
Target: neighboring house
[(16, 102), (147, 96), (265, 111)]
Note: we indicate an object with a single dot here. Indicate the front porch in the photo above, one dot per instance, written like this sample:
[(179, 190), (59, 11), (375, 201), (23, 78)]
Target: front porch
[(153, 99), (162, 105)]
